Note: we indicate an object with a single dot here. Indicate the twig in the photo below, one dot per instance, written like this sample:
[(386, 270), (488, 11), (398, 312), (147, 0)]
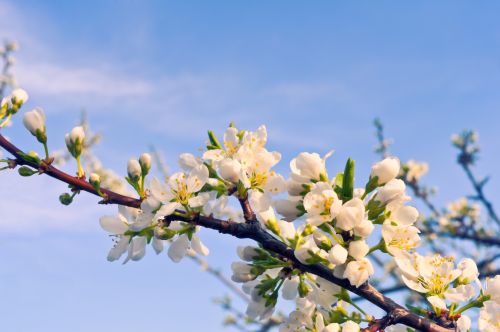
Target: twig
[(252, 230)]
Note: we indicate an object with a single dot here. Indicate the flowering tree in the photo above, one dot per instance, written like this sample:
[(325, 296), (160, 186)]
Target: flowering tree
[(317, 236)]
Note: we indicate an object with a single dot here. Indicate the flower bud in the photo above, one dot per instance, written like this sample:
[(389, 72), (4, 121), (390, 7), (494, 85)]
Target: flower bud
[(386, 170), (95, 179), (65, 199), (230, 169), (19, 97), (134, 170), (337, 255), (145, 162), (75, 141), (358, 249), (247, 253), (34, 121)]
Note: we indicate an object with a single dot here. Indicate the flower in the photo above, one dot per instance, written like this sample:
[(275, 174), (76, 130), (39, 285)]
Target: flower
[(358, 271), (120, 225), (134, 169), (182, 245), (145, 162), (337, 255), (463, 323), (400, 239), (308, 252), (351, 214), (75, 140), (309, 166), (34, 121), (321, 204), (431, 275), (181, 190), (392, 191), (493, 288), (415, 170), (386, 170), (489, 319), (358, 249), (19, 96)]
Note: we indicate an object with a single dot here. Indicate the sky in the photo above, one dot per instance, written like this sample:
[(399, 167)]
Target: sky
[(163, 72)]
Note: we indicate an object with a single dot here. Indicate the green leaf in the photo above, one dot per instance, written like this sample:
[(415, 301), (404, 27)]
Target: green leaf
[(26, 171), (348, 180), (213, 140)]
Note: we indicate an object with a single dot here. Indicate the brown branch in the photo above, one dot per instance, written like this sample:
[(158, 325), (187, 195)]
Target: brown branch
[(250, 230), (111, 196)]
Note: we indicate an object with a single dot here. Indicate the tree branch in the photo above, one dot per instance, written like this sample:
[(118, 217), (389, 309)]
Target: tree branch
[(249, 230)]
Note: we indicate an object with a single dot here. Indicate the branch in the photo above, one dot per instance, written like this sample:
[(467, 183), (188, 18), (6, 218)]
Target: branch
[(478, 187), (249, 230)]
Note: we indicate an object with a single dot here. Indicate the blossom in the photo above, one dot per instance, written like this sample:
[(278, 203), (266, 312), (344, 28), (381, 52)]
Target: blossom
[(145, 162), (392, 191), (415, 170), (182, 189), (358, 271), (321, 204), (184, 243), (463, 323), (493, 288), (309, 251), (75, 140), (427, 274), (19, 96), (120, 225), (134, 169), (351, 214), (309, 166), (489, 319), (400, 239), (337, 255), (386, 170), (34, 121), (358, 249)]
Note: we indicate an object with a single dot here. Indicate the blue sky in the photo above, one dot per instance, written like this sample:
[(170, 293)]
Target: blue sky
[(162, 72)]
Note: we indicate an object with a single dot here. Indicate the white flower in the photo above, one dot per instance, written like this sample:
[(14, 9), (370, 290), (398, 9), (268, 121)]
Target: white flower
[(321, 204), (386, 170), (247, 253), (392, 191), (400, 239), (337, 255), (309, 250), (230, 169), (493, 288), (402, 215), (288, 207), (181, 190), (181, 246), (437, 302), (416, 170), (75, 140), (187, 161), (364, 229), (145, 162), (309, 166), (463, 323), (350, 326), (324, 293), (358, 271), (19, 96), (290, 288), (489, 319), (134, 169), (358, 249), (333, 327), (34, 121), (351, 214), (427, 274), (128, 219), (242, 272), (469, 271)]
